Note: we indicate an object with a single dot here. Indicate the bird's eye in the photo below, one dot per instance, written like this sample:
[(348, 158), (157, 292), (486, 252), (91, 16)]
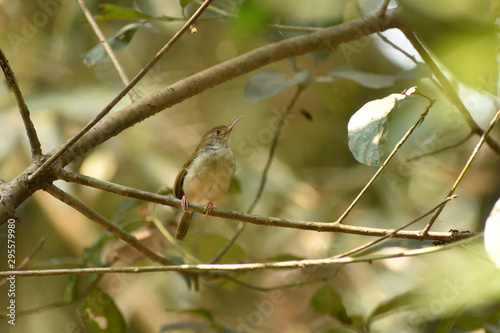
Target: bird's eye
[(217, 132)]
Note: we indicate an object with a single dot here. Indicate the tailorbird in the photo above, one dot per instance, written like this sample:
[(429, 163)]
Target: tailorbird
[(206, 176)]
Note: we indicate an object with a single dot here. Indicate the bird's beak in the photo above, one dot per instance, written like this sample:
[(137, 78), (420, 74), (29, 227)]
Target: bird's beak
[(230, 127)]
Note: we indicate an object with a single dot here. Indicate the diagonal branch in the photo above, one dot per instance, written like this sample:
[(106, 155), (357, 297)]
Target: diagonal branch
[(103, 222), (36, 149)]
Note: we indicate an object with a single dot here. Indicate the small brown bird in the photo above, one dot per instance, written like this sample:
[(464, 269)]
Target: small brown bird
[(206, 176)]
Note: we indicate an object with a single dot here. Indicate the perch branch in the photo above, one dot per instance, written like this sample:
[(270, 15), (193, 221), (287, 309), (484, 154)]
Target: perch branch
[(256, 219)]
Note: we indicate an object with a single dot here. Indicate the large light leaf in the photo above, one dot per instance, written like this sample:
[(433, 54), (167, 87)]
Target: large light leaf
[(492, 234), (368, 128), (117, 42), (271, 82), (100, 313)]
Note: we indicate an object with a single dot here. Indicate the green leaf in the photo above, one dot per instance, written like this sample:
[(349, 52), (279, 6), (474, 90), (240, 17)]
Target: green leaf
[(368, 128), (326, 301), (114, 12), (117, 42), (271, 82), (100, 313)]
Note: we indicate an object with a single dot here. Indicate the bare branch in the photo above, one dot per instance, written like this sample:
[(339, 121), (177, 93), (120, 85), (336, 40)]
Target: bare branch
[(391, 233), (214, 268), (36, 149), (257, 219)]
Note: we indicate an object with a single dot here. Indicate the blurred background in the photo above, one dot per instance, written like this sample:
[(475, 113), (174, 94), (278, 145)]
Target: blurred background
[(313, 177)]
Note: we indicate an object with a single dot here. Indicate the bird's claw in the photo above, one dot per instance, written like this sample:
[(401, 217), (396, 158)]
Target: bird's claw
[(208, 208), (185, 203)]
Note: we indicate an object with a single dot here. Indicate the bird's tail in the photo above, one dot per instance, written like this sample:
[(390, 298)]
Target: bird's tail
[(183, 226)]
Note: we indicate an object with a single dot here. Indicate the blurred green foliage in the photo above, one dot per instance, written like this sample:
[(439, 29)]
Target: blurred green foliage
[(313, 177)]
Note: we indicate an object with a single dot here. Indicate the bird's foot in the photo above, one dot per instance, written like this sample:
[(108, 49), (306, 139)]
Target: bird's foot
[(208, 208), (185, 203)]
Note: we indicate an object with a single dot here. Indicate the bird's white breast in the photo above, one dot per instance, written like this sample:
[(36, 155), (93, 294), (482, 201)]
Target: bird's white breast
[(209, 175)]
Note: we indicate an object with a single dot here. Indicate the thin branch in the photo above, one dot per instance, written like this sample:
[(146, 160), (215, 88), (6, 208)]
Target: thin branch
[(263, 180), (391, 233), (107, 48), (464, 170), (448, 89), (103, 222), (36, 149), (213, 268), (440, 150), (384, 164), (255, 219), (59, 151)]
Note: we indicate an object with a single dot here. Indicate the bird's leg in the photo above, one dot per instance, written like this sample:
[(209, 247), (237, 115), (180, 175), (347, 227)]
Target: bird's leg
[(208, 208), (185, 203)]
